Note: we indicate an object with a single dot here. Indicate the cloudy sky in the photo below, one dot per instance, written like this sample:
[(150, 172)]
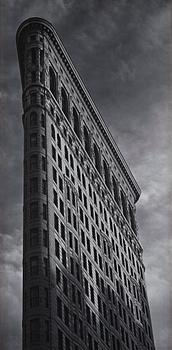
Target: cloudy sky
[(121, 48)]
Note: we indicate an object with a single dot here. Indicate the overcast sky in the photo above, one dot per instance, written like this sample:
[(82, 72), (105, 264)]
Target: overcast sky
[(122, 51)]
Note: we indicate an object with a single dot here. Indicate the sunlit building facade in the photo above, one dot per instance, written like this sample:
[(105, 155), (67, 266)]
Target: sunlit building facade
[(83, 273)]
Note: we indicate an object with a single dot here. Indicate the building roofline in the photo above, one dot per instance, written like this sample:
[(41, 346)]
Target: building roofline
[(50, 29)]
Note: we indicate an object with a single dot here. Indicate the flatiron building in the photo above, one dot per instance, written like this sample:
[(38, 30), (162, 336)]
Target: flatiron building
[(83, 272)]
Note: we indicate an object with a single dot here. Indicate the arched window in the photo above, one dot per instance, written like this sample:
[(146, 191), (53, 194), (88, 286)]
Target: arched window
[(97, 158), (106, 174), (76, 123), (115, 189), (87, 141), (124, 204), (33, 119), (65, 106), (53, 82)]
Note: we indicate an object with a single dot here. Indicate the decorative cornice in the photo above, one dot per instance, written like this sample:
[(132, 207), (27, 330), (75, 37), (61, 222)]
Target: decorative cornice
[(47, 27)]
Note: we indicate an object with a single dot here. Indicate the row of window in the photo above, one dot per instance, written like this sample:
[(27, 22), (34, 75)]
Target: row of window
[(101, 165), (83, 198)]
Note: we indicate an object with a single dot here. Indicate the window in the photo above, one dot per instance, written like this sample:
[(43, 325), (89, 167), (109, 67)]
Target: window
[(44, 186), (65, 107), (78, 173), (77, 271), (43, 163), (88, 314), (65, 285), (33, 140), (64, 258), (92, 294), (44, 211), (46, 331), (55, 197), (82, 237), (62, 227), (54, 175), (34, 210), (45, 238), (76, 123), (71, 162), (35, 330), (106, 174), (66, 315), (76, 246), (90, 343), (115, 189), (124, 204), (132, 219), (90, 268), (83, 181), (33, 77), (59, 162), (53, 153), (33, 237), (33, 98), (43, 141), (59, 307), (60, 340), (33, 55), (69, 215), (53, 132), (46, 303), (33, 162), (58, 276), (33, 119), (33, 185), (57, 249), (87, 141), (66, 153), (45, 266), (34, 296), (60, 184), (61, 207), (56, 222), (34, 265), (84, 261), (97, 158), (53, 87), (58, 141), (67, 344)]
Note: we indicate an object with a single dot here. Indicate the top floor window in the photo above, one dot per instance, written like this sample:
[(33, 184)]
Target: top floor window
[(97, 158), (65, 105), (106, 174), (115, 189), (53, 82), (87, 141), (132, 218), (76, 123), (124, 204)]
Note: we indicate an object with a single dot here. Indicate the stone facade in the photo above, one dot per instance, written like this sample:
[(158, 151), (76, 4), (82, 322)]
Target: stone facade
[(83, 273)]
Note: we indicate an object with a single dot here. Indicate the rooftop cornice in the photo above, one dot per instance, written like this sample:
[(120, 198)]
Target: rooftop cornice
[(50, 30)]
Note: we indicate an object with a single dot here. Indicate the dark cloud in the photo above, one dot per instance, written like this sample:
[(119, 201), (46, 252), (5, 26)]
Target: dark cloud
[(121, 48)]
